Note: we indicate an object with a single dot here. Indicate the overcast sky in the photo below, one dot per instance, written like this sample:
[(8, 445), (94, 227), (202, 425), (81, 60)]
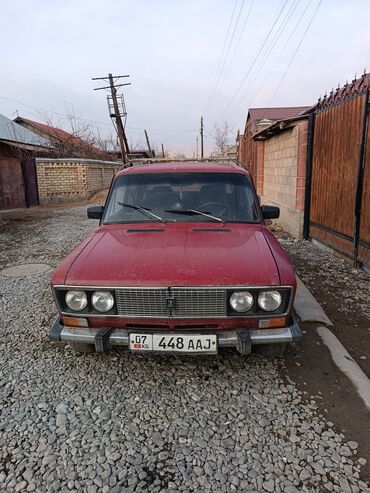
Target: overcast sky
[(181, 61)]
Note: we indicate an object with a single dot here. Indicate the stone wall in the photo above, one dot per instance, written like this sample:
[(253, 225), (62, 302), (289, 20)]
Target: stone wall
[(72, 180), (284, 174)]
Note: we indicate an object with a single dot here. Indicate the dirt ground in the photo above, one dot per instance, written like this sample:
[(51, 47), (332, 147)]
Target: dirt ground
[(310, 366)]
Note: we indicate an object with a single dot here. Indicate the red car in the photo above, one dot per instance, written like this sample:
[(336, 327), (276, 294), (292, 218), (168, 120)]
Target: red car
[(181, 262)]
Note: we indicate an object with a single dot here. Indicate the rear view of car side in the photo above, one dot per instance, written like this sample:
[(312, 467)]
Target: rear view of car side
[(181, 262)]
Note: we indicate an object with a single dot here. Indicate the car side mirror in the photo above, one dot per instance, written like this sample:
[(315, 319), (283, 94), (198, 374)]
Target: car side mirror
[(95, 212), (270, 212)]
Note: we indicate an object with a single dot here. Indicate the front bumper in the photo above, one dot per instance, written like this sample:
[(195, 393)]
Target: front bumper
[(241, 339)]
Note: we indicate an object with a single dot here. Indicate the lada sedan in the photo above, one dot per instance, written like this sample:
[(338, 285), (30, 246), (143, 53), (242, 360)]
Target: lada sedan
[(181, 262)]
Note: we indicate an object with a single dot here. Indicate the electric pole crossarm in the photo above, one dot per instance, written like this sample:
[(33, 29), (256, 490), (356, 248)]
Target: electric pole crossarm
[(108, 87), (116, 114), (107, 78)]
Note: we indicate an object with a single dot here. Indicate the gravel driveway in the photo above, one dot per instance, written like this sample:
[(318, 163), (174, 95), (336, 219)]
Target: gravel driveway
[(122, 423)]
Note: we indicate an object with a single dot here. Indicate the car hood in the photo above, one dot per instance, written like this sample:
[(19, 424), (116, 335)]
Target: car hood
[(175, 254)]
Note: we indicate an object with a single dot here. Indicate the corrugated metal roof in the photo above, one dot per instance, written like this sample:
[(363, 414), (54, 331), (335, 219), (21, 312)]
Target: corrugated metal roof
[(12, 132), (60, 135), (274, 114), (278, 126)]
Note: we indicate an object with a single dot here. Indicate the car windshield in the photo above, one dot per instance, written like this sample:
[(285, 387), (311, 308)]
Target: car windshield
[(182, 197)]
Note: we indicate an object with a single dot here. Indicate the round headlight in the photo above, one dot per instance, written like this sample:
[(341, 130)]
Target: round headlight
[(76, 300), (102, 301), (241, 301), (269, 300)]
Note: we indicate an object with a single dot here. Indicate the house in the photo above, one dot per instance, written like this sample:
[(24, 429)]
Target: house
[(249, 152), (140, 154), (315, 165), (18, 148), (282, 169), (228, 152), (64, 144), (133, 154)]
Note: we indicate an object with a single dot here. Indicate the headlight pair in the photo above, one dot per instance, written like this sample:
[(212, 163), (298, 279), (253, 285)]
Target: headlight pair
[(102, 301), (243, 301)]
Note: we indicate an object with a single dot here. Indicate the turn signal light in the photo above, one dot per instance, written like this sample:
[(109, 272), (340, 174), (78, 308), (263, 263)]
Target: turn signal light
[(75, 322), (271, 323)]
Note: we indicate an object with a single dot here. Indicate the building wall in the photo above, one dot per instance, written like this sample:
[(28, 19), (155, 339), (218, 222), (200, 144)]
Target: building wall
[(284, 174), (64, 180), (250, 153)]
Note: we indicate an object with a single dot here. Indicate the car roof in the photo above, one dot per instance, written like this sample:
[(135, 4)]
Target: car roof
[(184, 166)]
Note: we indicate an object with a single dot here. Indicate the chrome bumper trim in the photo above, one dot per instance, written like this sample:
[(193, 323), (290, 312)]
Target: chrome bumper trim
[(232, 338)]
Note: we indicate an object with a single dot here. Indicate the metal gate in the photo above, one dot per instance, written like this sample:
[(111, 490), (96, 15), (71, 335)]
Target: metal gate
[(364, 230), (11, 184), (30, 181), (18, 183), (338, 207)]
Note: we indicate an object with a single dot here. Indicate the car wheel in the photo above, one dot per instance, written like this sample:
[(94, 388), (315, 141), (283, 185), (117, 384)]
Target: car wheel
[(272, 350), (81, 347)]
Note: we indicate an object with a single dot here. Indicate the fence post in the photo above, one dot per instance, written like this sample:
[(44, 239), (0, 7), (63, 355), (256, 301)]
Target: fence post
[(360, 177), (307, 197)]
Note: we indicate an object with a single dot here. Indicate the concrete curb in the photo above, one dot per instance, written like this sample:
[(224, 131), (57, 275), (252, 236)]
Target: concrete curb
[(309, 310), (346, 364), (307, 307)]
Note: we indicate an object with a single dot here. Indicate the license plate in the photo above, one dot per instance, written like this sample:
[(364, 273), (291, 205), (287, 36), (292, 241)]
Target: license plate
[(178, 343)]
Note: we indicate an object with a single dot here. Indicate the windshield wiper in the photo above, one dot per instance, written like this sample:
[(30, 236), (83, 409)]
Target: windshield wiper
[(195, 211), (143, 210)]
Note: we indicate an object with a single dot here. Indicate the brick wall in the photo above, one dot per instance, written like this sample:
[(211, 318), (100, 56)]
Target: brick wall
[(284, 173), (259, 184), (64, 180)]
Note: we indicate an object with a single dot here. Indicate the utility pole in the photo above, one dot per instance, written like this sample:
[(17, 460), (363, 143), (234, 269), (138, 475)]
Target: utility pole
[(201, 137), (148, 144), (163, 154), (197, 154), (117, 109)]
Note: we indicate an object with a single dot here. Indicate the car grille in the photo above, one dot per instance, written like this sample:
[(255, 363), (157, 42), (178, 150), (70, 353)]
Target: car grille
[(171, 302)]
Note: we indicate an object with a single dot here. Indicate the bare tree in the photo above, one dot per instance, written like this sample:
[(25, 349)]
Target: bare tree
[(77, 137), (223, 137), (109, 143), (138, 145), (159, 154)]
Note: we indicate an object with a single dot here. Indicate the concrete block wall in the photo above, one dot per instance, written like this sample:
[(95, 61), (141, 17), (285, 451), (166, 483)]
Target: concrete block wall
[(98, 177), (284, 174), (71, 180)]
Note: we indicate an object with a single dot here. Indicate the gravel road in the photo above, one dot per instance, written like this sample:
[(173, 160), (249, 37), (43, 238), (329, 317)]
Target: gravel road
[(123, 423)]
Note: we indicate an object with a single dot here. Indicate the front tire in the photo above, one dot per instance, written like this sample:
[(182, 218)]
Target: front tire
[(82, 347), (272, 351)]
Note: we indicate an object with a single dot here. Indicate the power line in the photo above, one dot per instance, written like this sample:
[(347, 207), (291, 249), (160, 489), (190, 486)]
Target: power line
[(173, 130), (66, 117), (240, 35), (270, 49), (268, 34), (221, 56), (296, 51), (266, 48), (227, 52), (236, 46), (281, 52), (61, 115)]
